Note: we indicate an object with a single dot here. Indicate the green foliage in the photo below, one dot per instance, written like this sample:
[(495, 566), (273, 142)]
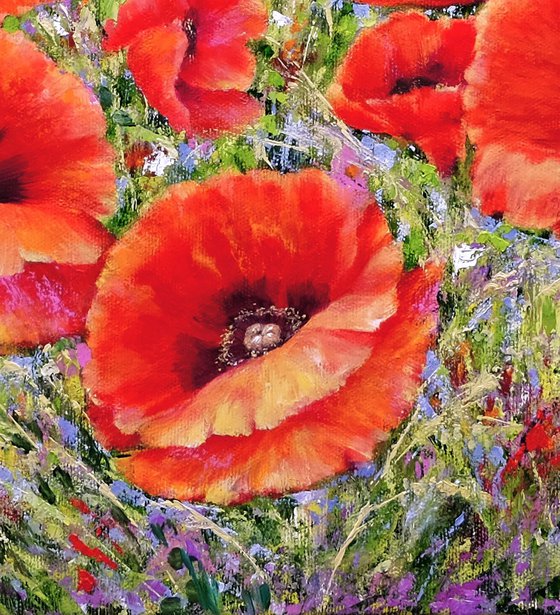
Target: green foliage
[(429, 503)]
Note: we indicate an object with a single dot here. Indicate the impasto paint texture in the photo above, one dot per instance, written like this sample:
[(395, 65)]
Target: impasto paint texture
[(279, 307), (272, 335)]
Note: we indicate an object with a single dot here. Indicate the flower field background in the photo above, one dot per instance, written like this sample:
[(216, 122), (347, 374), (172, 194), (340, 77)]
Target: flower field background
[(459, 510)]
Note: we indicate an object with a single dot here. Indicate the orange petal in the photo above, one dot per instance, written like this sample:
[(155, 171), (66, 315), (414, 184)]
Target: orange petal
[(54, 151), (313, 364), (326, 439), (16, 7), (155, 59), (411, 91), (39, 236)]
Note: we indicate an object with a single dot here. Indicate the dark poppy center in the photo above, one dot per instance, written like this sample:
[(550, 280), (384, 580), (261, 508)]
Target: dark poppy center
[(256, 332), (11, 176), (407, 84), (190, 29), (252, 326)]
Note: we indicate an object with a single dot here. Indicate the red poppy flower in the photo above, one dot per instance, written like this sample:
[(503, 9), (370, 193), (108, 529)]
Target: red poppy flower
[(86, 581), (512, 103), (254, 335), (404, 78), (191, 60), (56, 174)]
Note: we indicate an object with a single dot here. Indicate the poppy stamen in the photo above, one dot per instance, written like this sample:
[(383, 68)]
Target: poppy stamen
[(257, 332), (404, 85), (189, 28), (260, 337), (11, 185)]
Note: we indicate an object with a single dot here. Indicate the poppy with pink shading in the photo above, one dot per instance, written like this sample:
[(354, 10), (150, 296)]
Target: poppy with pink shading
[(16, 7), (56, 183)]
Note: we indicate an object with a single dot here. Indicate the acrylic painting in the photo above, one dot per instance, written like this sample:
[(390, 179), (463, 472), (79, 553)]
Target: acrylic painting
[(279, 307)]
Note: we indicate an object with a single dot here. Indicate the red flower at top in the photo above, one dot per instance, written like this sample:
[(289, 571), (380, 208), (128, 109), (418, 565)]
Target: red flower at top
[(56, 178), (191, 60), (512, 102), (405, 78), (254, 335)]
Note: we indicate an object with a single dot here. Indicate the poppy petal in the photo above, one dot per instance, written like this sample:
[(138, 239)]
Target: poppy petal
[(233, 240), (332, 345), (16, 7), (228, 20), (191, 59), (155, 59), (37, 236), (155, 379), (212, 110), (106, 432), (515, 126), (440, 135), (308, 447), (64, 164), (56, 179), (213, 68), (137, 16), (221, 59), (44, 302)]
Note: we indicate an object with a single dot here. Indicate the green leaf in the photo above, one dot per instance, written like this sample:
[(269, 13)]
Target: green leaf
[(105, 98), (11, 23), (122, 119), (45, 491), (548, 313), (499, 243), (170, 606), (275, 79), (279, 97), (158, 533), (413, 249), (268, 122), (206, 587), (264, 594), (108, 9), (175, 559)]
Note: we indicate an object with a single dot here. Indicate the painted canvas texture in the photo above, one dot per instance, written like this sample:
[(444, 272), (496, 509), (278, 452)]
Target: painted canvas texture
[(279, 307)]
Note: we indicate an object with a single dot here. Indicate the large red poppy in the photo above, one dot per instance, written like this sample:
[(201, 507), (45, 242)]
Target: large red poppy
[(191, 60), (512, 103), (213, 277), (56, 178), (404, 78)]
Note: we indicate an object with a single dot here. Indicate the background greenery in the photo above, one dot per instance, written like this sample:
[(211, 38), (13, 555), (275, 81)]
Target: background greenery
[(436, 523)]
